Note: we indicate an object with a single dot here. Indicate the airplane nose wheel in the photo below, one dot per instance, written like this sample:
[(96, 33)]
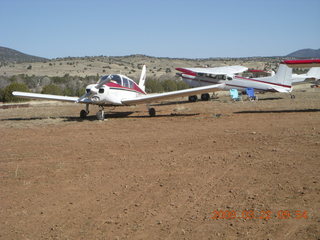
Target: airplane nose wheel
[(84, 113), (100, 114)]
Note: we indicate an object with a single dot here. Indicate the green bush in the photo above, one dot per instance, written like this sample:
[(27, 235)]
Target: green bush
[(15, 86), (182, 85), (158, 86), (52, 89), (1, 94), (169, 85), (153, 86)]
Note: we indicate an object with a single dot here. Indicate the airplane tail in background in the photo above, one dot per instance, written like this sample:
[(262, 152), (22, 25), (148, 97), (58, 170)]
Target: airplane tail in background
[(283, 75), (314, 72), (143, 78), (282, 78)]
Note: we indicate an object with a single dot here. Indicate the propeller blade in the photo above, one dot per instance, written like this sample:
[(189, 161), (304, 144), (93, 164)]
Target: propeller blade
[(104, 81), (84, 96)]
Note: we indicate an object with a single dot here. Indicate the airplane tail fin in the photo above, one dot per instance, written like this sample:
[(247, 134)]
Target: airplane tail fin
[(281, 81), (283, 75), (143, 78), (314, 72)]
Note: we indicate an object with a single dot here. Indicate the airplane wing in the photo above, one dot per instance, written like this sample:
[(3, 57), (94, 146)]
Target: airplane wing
[(307, 63), (174, 94), (227, 70), (48, 97)]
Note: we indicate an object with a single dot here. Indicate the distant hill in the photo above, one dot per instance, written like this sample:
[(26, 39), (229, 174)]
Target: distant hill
[(305, 53), (10, 55)]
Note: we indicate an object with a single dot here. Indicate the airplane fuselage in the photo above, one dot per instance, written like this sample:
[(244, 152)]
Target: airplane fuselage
[(113, 93), (237, 82)]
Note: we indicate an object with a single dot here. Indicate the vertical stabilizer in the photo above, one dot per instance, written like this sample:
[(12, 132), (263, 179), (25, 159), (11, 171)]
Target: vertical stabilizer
[(283, 75), (143, 78), (314, 72)]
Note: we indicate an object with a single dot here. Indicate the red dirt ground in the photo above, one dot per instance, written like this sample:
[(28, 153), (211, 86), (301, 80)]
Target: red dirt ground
[(136, 177)]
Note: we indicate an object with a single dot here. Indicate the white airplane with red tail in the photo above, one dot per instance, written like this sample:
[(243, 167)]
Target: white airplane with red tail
[(278, 82), (117, 90)]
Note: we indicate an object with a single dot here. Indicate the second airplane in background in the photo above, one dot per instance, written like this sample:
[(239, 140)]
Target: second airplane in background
[(279, 82)]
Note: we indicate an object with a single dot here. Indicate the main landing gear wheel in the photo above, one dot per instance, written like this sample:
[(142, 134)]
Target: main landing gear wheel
[(193, 98), (292, 96), (100, 115), (152, 112), (205, 97)]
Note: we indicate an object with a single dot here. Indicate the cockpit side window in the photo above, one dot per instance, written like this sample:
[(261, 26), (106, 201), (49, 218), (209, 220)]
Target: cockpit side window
[(131, 85), (117, 79), (125, 82)]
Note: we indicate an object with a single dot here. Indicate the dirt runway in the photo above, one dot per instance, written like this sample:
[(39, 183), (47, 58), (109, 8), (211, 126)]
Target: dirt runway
[(205, 170)]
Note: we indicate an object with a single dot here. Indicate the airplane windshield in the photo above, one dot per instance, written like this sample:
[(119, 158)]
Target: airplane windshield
[(103, 78), (122, 81), (116, 79)]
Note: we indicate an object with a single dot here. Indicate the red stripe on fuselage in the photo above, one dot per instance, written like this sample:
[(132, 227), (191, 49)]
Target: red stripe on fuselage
[(186, 71), (271, 83), (117, 86)]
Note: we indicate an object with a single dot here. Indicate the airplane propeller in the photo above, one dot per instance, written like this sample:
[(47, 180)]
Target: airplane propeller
[(94, 89)]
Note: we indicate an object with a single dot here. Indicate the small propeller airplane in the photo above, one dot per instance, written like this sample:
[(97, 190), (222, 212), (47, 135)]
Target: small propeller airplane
[(117, 90), (278, 82), (313, 73)]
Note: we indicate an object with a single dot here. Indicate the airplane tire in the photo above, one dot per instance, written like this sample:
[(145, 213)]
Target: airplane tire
[(100, 115), (205, 97), (193, 98), (152, 112), (83, 114)]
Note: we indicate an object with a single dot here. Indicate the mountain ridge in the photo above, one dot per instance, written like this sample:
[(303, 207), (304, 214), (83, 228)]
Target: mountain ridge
[(11, 55), (305, 53)]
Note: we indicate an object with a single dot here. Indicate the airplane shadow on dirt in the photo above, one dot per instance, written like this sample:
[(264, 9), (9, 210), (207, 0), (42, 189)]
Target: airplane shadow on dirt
[(279, 111), (270, 98), (169, 103), (94, 118)]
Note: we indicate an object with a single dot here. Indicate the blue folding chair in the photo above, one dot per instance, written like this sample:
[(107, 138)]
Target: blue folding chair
[(250, 94), (235, 95)]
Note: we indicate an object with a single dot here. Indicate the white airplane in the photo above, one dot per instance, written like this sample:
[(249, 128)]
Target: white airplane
[(313, 73), (117, 90), (278, 82)]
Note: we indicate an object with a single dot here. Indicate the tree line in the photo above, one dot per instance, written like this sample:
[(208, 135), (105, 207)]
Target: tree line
[(69, 85)]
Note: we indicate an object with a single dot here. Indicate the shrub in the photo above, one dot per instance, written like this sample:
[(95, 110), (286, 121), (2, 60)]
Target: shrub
[(153, 86), (15, 86), (169, 85), (52, 89)]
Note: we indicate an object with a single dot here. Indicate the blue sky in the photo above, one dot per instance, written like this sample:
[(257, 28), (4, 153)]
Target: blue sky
[(176, 28)]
